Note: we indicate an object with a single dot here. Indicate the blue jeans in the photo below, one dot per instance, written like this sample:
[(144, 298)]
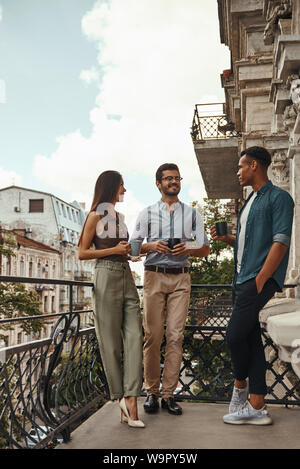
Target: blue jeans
[(243, 333)]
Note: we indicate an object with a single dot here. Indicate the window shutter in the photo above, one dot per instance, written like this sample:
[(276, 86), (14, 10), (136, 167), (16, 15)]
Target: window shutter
[(36, 205)]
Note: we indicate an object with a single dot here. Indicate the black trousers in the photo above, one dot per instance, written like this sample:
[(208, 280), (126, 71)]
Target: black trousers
[(243, 333)]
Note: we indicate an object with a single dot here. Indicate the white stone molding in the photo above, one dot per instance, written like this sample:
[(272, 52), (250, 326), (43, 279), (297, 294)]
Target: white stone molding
[(284, 330), (286, 56)]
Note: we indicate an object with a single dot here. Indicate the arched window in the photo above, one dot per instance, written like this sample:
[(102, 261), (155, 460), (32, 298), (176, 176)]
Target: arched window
[(52, 304), (8, 265), (21, 268), (38, 270)]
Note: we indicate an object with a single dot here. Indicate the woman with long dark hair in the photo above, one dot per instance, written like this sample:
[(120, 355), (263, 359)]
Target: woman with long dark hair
[(117, 312)]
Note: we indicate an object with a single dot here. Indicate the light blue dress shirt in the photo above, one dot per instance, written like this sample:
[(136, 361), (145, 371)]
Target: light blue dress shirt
[(157, 222)]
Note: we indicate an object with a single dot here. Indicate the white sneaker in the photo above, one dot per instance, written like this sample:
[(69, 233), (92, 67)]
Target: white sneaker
[(247, 415), (238, 398)]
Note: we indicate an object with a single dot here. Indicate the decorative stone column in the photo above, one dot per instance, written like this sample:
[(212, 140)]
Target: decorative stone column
[(286, 166), (281, 169), (294, 155), (280, 174)]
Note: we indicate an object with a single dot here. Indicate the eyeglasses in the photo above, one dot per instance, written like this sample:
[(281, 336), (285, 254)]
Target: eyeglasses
[(170, 178)]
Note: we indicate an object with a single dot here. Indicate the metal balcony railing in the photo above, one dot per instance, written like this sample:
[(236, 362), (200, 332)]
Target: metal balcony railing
[(210, 122), (49, 386)]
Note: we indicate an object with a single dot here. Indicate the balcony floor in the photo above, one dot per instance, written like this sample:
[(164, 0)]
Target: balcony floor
[(200, 427)]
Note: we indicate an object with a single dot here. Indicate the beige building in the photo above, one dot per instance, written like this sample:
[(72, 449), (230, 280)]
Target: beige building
[(32, 259), (46, 230), (262, 107)]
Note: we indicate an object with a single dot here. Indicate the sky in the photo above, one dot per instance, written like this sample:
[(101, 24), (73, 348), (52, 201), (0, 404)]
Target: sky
[(87, 86)]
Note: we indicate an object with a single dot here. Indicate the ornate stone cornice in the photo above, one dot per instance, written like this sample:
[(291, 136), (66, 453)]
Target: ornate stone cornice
[(295, 92), (289, 118), (276, 10), (280, 168)]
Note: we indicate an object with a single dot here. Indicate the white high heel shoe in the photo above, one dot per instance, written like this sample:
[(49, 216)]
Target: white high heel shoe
[(125, 417)]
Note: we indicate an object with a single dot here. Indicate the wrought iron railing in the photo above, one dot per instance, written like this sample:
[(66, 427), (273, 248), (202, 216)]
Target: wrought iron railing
[(49, 386), (211, 124), (206, 373)]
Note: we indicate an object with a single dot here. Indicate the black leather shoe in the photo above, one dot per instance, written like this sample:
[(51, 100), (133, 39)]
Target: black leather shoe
[(171, 406), (151, 405)]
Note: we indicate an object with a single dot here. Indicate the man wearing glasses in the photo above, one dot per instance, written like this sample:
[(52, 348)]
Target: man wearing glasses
[(174, 231)]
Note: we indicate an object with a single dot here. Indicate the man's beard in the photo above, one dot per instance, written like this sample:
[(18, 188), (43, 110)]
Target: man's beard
[(169, 193)]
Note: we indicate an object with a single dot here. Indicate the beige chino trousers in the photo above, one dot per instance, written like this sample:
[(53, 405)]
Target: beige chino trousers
[(118, 327), (170, 294)]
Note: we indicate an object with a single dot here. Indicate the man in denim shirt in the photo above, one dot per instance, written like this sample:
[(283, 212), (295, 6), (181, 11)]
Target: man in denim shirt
[(261, 250)]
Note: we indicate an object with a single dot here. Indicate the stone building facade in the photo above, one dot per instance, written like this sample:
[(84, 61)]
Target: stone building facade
[(45, 217), (262, 91), (262, 107), (47, 220), (32, 259)]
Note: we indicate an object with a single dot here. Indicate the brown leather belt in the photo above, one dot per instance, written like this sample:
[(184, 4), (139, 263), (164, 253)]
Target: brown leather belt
[(167, 270)]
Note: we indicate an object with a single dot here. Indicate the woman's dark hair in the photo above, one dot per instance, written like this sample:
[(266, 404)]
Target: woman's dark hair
[(165, 167), (106, 189), (259, 154)]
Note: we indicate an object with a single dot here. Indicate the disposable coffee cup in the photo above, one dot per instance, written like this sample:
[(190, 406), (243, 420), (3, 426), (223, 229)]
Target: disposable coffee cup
[(135, 247), (172, 242), (221, 228)]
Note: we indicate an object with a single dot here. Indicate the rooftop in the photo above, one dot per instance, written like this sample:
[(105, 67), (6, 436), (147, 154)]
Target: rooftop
[(72, 204), (32, 244)]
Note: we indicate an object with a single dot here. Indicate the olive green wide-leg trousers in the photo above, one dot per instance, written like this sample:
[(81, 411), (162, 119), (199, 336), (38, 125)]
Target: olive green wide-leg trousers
[(118, 327)]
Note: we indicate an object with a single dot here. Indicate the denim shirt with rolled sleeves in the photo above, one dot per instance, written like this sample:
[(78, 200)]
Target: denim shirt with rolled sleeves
[(270, 220)]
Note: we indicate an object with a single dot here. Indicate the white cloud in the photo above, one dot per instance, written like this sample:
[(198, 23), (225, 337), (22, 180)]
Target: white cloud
[(9, 178), (89, 76), (157, 59)]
